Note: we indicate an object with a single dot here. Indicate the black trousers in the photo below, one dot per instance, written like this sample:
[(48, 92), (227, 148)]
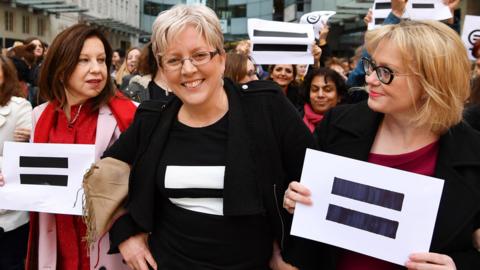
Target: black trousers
[(13, 248)]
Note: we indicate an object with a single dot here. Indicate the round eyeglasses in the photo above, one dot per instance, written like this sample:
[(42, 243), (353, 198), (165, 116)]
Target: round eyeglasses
[(173, 63), (384, 74)]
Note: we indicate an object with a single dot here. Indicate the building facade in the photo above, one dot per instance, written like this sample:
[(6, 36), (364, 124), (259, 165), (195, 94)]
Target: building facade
[(44, 19), (233, 14), (19, 23)]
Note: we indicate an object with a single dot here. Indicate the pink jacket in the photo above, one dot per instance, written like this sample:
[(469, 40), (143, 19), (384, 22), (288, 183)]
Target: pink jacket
[(107, 133)]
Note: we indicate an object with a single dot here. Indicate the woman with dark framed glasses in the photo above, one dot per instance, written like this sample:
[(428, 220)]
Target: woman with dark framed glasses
[(384, 74), (417, 80), (209, 168)]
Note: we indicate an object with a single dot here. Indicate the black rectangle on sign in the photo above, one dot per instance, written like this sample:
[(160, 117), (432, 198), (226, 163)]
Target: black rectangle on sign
[(262, 33), (379, 21), (44, 179), (365, 193), (362, 221), (419, 5), (279, 48), (383, 5), (44, 162)]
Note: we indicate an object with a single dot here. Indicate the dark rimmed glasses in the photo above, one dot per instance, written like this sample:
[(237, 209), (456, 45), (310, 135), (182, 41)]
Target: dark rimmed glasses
[(173, 63), (384, 74)]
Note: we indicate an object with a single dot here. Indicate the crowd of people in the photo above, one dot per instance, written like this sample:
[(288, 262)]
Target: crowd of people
[(216, 142)]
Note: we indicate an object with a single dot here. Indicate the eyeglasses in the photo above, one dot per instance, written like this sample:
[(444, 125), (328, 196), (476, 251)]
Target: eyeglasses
[(384, 74), (173, 63)]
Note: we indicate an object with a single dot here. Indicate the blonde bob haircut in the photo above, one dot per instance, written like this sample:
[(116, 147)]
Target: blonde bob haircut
[(172, 22), (434, 53)]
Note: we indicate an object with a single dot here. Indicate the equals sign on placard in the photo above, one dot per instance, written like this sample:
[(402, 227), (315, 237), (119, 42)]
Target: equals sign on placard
[(368, 194), (382, 7), (423, 5), (279, 47), (41, 178)]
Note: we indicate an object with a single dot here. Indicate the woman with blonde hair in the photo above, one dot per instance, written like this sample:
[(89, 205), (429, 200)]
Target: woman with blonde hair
[(149, 84), (208, 168), (128, 69), (417, 81)]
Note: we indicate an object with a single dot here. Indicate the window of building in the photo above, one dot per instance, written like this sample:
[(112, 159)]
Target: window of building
[(8, 21), (26, 24), (300, 6), (239, 11), (40, 27), (236, 11), (152, 9)]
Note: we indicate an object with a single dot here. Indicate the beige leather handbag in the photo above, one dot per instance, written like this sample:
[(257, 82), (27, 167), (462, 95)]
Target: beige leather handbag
[(105, 186)]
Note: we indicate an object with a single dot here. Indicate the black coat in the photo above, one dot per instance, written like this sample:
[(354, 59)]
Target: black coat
[(471, 115), (350, 130), (265, 151)]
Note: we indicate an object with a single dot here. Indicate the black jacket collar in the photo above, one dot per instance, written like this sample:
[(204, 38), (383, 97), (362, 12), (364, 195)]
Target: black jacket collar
[(458, 145)]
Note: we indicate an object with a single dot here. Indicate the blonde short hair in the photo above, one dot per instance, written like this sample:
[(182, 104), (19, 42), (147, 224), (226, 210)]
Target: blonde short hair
[(170, 23), (436, 55)]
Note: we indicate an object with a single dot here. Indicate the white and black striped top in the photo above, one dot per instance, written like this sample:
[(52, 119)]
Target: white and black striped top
[(194, 161), (191, 230)]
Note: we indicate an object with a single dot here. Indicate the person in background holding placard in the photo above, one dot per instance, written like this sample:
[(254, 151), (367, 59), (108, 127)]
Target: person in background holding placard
[(417, 81), (356, 78)]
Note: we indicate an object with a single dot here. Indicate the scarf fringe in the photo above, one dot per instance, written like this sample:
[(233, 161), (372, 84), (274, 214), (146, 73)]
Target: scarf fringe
[(87, 209)]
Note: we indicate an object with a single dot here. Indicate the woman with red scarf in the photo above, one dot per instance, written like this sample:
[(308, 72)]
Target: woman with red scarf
[(83, 108), (324, 89)]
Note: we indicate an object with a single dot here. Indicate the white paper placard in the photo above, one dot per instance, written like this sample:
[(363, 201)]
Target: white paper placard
[(280, 42), (402, 226), (471, 33), (415, 10), (45, 177), (380, 11), (318, 19)]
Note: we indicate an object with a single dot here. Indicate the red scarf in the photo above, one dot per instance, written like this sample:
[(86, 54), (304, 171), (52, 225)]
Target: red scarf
[(122, 108), (311, 118), (70, 229)]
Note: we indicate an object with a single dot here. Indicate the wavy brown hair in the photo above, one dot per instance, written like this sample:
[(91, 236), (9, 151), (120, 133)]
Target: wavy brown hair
[(236, 66), (147, 63), (10, 86), (30, 40), (61, 61)]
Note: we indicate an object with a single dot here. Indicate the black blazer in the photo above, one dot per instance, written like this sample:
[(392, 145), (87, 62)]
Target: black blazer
[(350, 130), (265, 151)]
